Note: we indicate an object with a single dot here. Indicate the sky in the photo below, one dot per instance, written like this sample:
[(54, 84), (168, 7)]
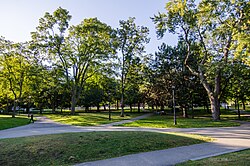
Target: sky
[(20, 17)]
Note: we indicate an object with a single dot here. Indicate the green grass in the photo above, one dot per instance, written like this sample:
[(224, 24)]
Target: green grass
[(6, 121), (241, 158), (72, 148), (90, 119), (231, 115), (158, 121)]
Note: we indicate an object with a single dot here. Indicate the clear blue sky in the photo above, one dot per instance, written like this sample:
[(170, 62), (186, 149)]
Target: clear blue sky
[(20, 17)]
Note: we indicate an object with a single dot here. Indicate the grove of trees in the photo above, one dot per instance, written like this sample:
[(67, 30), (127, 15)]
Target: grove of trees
[(93, 64)]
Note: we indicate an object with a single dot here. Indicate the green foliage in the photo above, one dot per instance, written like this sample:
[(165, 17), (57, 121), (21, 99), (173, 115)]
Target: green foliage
[(131, 40), (85, 50), (239, 84), (73, 148), (16, 72), (210, 31)]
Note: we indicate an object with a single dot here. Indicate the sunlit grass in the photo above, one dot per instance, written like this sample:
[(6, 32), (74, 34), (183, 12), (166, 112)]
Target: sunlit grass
[(241, 158), (91, 119), (72, 148), (6, 121), (158, 121)]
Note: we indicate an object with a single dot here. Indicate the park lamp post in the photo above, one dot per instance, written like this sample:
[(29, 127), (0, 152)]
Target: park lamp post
[(173, 90)]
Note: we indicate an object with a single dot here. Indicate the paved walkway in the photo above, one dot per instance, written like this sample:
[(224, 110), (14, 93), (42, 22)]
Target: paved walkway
[(228, 139)]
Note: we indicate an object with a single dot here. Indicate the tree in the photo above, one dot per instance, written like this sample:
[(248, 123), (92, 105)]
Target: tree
[(131, 39), (91, 47), (15, 69), (48, 42), (210, 31), (80, 54), (239, 85)]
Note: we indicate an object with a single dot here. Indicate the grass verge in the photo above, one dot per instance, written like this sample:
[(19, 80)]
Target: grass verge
[(72, 148), (159, 121), (6, 121), (90, 119), (241, 158)]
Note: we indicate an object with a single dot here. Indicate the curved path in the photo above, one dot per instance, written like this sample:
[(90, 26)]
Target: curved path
[(228, 139)]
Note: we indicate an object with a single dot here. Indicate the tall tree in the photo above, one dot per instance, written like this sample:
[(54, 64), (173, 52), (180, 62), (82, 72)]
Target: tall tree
[(210, 31), (15, 68), (48, 41), (131, 40), (91, 48), (81, 53)]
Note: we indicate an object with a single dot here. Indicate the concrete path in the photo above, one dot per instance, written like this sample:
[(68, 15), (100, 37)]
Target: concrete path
[(228, 139), (44, 126)]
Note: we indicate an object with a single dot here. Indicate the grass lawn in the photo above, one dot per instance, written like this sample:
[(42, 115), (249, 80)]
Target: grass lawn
[(6, 121), (241, 158), (90, 119), (164, 121), (72, 148), (231, 115)]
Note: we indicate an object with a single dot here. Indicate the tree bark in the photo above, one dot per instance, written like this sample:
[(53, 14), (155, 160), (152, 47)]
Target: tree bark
[(14, 110), (238, 105), (139, 107), (117, 104), (235, 104), (53, 109), (244, 105), (162, 107), (214, 102), (73, 101), (98, 107), (184, 111), (104, 107), (122, 101)]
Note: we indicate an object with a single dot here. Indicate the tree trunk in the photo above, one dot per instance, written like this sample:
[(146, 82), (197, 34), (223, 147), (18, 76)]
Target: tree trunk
[(14, 110), (73, 102), (192, 107), (162, 107), (139, 107), (192, 111), (104, 107), (53, 108), (98, 107), (215, 107), (238, 105), (117, 104), (122, 102), (184, 112), (244, 105), (130, 106), (74, 98)]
